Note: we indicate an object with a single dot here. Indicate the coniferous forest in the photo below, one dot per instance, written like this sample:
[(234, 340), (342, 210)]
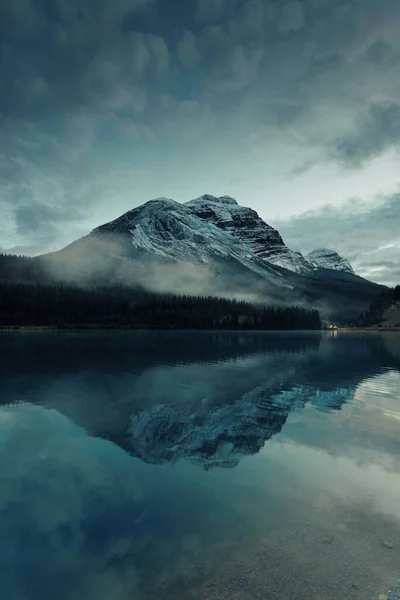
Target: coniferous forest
[(375, 312), (28, 301)]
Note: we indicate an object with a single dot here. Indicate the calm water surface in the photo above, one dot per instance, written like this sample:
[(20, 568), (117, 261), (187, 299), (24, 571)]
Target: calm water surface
[(199, 466)]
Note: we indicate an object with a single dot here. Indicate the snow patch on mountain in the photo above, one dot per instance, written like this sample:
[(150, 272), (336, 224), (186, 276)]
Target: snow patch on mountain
[(324, 258)]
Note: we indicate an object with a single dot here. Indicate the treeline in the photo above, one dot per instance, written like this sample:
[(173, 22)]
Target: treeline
[(22, 268), (68, 306), (374, 314)]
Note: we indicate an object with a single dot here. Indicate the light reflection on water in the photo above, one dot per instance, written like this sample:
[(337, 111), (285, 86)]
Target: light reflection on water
[(199, 466)]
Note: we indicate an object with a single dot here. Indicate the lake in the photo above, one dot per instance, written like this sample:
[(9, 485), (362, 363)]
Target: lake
[(199, 466)]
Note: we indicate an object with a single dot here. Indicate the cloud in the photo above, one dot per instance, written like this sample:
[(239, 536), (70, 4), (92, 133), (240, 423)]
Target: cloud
[(94, 91), (188, 53), (366, 234), (80, 50), (383, 268), (301, 169), (213, 10), (376, 132), (39, 218), (79, 59), (292, 17), (10, 169)]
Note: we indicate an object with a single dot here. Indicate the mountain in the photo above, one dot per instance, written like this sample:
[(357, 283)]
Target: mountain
[(203, 230), (384, 311), (324, 258), (212, 245), (210, 226)]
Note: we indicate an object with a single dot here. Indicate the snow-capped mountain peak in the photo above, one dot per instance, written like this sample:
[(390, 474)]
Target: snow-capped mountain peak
[(211, 227), (214, 199), (205, 228), (325, 258), (168, 228)]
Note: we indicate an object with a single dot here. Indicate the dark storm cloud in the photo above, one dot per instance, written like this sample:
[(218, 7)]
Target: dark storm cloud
[(61, 55), (299, 62), (89, 84), (367, 235), (384, 271), (34, 217), (375, 132)]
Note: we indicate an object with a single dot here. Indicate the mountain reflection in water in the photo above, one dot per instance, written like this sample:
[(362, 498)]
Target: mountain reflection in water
[(208, 397), (110, 447)]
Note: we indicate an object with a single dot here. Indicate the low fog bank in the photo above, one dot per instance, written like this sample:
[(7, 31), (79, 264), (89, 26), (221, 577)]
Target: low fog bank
[(112, 261)]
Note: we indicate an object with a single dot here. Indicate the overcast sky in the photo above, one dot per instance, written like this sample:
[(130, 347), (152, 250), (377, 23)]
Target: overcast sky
[(292, 107)]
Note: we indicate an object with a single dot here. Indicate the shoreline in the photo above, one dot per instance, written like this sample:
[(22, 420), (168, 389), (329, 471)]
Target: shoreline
[(97, 328), (381, 329), (89, 328)]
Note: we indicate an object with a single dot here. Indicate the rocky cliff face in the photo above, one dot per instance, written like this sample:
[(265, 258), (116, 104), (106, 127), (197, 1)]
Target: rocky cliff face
[(248, 229)]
